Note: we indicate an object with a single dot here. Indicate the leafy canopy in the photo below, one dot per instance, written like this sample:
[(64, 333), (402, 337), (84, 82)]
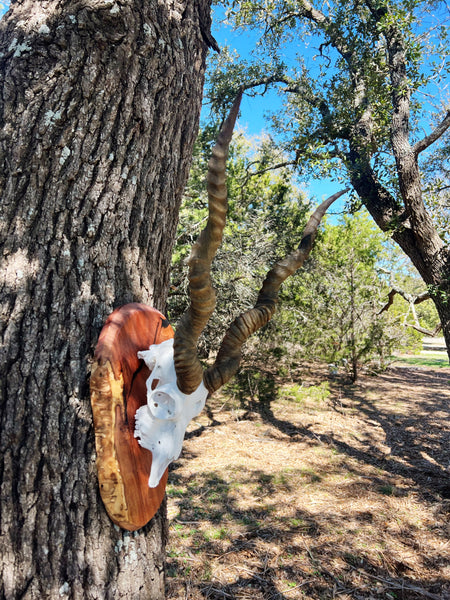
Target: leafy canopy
[(331, 66)]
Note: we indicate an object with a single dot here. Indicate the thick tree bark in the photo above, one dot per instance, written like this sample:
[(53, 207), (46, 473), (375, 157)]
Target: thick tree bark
[(427, 252), (99, 109), (434, 254)]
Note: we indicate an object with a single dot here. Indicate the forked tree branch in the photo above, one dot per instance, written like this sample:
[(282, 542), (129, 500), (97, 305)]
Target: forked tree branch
[(410, 298), (412, 301)]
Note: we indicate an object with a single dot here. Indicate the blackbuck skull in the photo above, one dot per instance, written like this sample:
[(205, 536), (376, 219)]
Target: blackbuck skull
[(177, 387)]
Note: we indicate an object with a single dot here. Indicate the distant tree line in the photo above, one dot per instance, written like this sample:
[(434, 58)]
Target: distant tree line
[(332, 310)]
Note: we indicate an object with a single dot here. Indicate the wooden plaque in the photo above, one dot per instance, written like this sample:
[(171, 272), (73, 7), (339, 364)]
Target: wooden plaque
[(118, 389)]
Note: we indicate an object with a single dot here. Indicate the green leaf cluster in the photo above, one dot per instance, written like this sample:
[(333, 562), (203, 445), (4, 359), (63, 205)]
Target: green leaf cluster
[(332, 64)]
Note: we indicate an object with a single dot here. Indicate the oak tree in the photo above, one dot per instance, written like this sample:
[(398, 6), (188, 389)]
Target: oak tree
[(99, 109), (365, 100)]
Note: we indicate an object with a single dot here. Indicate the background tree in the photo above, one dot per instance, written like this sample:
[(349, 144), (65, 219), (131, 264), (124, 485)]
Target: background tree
[(332, 311), (359, 107), (99, 109), (406, 297)]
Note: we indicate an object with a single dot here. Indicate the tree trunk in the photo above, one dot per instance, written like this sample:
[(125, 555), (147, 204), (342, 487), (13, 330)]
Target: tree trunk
[(415, 235), (440, 294), (431, 261), (99, 109)]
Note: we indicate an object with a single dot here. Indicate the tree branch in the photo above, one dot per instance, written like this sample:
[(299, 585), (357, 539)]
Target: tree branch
[(412, 301), (410, 298), (312, 13), (281, 165), (424, 143), (427, 332), (325, 24), (289, 163), (266, 81)]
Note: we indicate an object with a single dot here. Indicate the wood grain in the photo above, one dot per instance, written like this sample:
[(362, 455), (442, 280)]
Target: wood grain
[(118, 389)]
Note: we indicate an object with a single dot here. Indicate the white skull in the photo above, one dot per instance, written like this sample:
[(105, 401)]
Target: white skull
[(161, 424)]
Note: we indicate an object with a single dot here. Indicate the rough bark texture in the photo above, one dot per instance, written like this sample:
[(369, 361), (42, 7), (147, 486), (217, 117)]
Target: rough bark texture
[(415, 236), (99, 108)]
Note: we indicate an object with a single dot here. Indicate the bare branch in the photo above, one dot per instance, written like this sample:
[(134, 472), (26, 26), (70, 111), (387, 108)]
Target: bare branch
[(410, 298), (266, 81), (428, 332), (426, 142), (308, 11), (313, 14), (390, 301), (250, 174)]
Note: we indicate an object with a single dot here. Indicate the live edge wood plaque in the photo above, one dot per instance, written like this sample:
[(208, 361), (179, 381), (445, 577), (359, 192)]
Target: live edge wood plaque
[(118, 389)]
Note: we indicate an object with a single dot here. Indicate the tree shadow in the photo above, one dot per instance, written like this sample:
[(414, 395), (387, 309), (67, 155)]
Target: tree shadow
[(412, 424), (417, 434), (418, 438), (252, 553)]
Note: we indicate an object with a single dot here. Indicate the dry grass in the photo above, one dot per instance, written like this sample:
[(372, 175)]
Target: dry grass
[(316, 490)]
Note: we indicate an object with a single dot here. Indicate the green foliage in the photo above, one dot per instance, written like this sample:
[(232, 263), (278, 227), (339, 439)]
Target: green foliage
[(299, 394), (340, 97), (332, 310), (431, 360), (329, 311)]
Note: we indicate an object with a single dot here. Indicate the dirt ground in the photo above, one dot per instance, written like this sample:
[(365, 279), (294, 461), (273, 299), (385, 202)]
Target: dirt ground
[(307, 487)]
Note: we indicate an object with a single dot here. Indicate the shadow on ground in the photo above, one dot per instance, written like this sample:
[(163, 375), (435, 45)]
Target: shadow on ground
[(355, 507), (418, 436)]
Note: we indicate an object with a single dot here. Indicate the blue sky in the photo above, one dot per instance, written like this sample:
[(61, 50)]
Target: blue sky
[(253, 109)]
